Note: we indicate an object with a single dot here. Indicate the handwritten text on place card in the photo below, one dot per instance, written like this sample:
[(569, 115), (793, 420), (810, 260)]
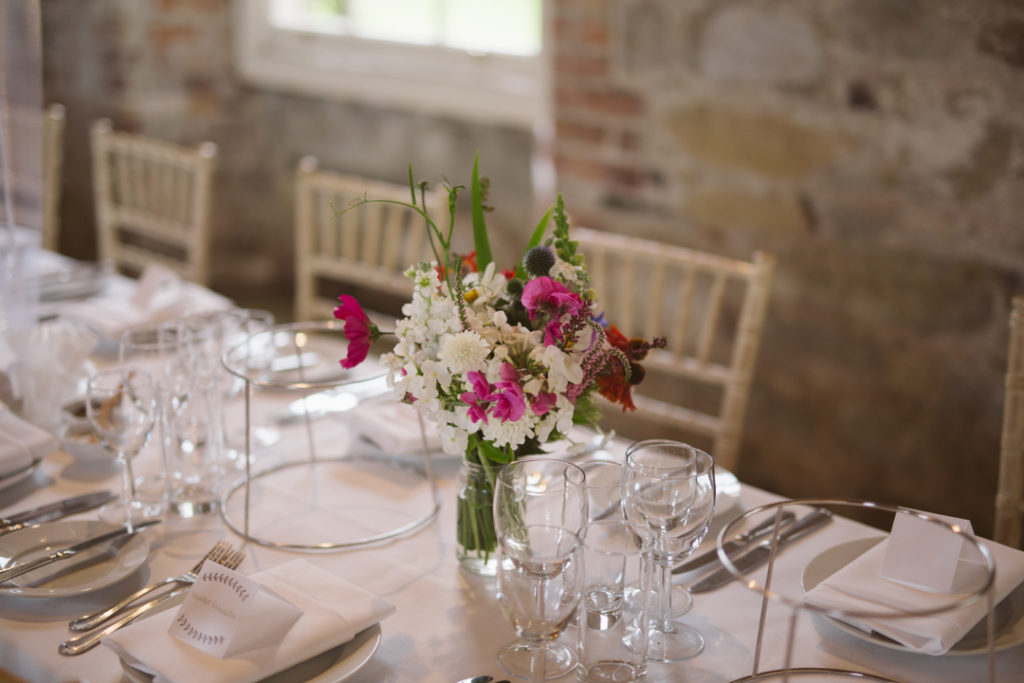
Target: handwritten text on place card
[(226, 613)]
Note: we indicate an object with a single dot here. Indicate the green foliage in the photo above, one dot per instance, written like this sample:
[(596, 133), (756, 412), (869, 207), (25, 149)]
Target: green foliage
[(477, 194)]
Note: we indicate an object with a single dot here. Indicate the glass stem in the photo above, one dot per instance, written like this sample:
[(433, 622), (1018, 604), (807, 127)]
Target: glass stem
[(127, 488), (664, 569)]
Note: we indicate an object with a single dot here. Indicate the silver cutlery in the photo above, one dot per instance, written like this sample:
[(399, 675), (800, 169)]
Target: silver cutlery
[(87, 641), (737, 543), (52, 511), (66, 553), (760, 553), (219, 553)]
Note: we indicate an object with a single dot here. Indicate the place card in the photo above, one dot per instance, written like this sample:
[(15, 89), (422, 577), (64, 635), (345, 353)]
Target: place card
[(153, 279), (926, 555), (226, 613)]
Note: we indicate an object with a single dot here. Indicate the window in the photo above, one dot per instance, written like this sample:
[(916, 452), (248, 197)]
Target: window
[(465, 58)]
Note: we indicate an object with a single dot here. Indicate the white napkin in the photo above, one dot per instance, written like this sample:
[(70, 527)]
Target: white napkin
[(861, 586), (113, 313), (20, 442), (394, 428), (333, 612)]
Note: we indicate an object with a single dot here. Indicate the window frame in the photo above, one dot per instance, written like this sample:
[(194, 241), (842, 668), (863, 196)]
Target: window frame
[(497, 89)]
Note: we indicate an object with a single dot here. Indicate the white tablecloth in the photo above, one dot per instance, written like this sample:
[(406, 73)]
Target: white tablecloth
[(447, 625)]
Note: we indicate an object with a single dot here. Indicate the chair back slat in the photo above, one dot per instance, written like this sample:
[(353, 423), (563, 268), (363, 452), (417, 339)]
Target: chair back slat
[(709, 308), (1010, 489), (364, 244), (152, 201)]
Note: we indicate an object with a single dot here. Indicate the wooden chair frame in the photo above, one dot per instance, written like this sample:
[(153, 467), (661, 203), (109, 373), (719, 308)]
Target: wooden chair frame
[(36, 194), (1010, 491), (370, 245), (615, 263), (157, 195)]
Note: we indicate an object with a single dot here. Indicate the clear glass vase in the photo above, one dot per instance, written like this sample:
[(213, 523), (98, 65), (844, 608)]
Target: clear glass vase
[(475, 539)]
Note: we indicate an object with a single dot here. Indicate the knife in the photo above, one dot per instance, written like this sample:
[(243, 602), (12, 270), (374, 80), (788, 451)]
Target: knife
[(760, 553), (25, 567), (52, 511), (737, 543)]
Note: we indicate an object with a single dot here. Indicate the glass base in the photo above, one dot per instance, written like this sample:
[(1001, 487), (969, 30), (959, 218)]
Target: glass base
[(135, 512), (515, 658), (682, 600), (682, 642)]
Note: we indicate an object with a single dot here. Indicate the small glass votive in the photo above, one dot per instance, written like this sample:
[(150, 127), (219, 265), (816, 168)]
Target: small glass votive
[(613, 617)]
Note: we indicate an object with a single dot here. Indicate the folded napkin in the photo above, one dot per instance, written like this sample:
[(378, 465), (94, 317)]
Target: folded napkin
[(394, 428), (113, 313), (333, 612), (861, 586), (21, 442)]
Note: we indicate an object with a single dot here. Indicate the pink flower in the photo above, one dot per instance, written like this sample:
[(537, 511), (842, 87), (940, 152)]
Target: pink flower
[(510, 404), (542, 403), (546, 293), (359, 331), (478, 398)]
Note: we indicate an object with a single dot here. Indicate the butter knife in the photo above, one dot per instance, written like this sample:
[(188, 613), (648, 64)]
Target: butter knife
[(52, 511), (737, 543), (759, 554), (20, 568)]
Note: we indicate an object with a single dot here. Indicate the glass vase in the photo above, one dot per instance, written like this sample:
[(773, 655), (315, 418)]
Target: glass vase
[(475, 539)]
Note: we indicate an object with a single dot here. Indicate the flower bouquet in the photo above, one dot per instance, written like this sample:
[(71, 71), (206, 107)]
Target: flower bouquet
[(501, 361)]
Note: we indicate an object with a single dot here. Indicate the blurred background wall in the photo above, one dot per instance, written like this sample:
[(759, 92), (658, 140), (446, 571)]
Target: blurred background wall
[(875, 147)]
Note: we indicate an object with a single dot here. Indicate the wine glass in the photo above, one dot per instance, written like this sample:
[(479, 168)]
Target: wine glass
[(540, 577), (669, 498), (530, 492), (121, 406)]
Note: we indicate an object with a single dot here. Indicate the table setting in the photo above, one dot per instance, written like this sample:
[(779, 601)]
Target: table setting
[(437, 502)]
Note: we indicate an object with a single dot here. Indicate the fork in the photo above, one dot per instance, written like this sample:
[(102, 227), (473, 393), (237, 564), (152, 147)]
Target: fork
[(89, 621), (87, 641)]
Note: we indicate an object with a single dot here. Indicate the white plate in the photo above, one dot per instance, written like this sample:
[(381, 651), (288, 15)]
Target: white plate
[(21, 475), (333, 666), (90, 570), (1009, 612), (727, 490)]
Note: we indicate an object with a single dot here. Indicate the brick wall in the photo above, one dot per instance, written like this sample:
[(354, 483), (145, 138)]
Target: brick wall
[(876, 147)]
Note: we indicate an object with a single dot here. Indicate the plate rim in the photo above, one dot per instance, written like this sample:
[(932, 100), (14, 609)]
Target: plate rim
[(139, 544), (21, 475), (868, 542), (365, 651)]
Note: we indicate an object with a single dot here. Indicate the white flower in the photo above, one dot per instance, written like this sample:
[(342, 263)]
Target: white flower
[(463, 351), (453, 440)]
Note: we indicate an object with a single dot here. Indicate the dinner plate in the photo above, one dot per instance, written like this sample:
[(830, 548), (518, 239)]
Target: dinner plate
[(334, 665), (727, 492), (87, 571), (20, 475), (1009, 612)]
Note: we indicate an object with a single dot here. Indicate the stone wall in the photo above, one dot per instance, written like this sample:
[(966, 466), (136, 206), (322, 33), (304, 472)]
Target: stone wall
[(876, 148)]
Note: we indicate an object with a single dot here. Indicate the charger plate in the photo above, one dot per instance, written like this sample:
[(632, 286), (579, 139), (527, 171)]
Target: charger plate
[(1009, 612), (334, 665)]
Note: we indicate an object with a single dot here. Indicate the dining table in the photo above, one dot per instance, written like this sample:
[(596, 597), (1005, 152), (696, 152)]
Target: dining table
[(447, 625)]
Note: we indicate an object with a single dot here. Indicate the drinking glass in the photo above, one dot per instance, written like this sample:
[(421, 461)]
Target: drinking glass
[(540, 574), (546, 492), (155, 349), (121, 406), (669, 495), (614, 619), (208, 336)]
